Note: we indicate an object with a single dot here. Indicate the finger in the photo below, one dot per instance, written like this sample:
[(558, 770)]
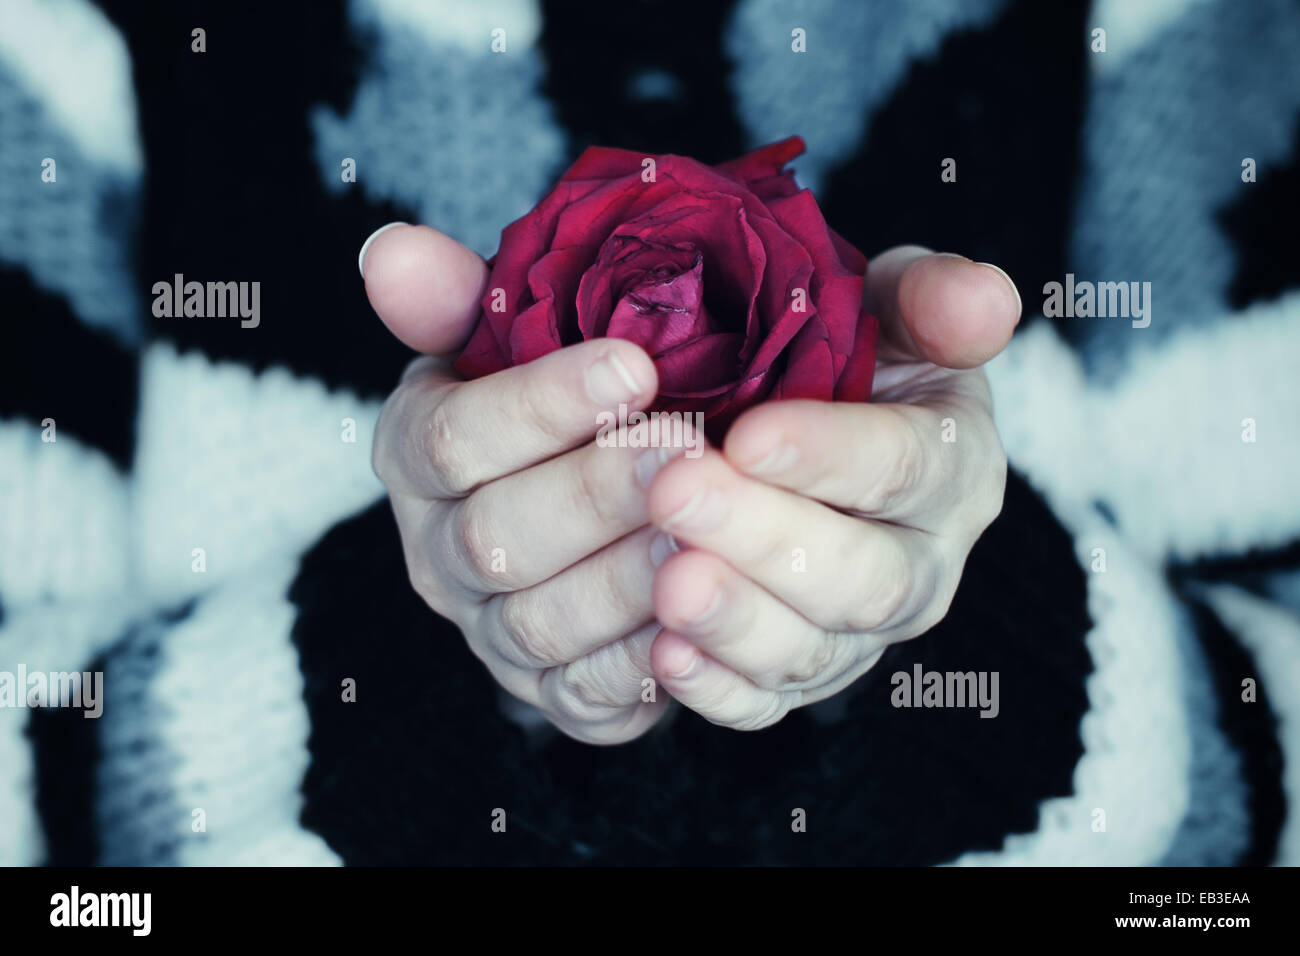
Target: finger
[(621, 727), (429, 581), (713, 690), (441, 439), (841, 572), (700, 597), (577, 611), (526, 527), (908, 464), (602, 686), (592, 698), (941, 308), (425, 286), (607, 698)]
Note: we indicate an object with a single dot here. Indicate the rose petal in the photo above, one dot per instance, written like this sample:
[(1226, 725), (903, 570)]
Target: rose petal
[(623, 263), (534, 333), (852, 259), (702, 267), (854, 381), (836, 290), (699, 367), (603, 163), (523, 242), (778, 297), (554, 279), (809, 368), (765, 167), (734, 258), (587, 223), (482, 355), (663, 311)]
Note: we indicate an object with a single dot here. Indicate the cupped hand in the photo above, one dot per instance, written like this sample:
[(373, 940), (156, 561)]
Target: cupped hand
[(825, 531), (516, 525)]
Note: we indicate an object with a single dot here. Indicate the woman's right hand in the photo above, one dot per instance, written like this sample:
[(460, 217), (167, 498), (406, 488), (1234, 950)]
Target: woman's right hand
[(516, 525)]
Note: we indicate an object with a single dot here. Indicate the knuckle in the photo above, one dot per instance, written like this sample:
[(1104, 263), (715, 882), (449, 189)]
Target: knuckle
[(472, 539), (885, 600), (773, 709), (451, 469), (538, 405), (908, 464), (425, 568), (528, 642), (814, 664), (902, 469), (589, 487), (615, 586), (584, 697)]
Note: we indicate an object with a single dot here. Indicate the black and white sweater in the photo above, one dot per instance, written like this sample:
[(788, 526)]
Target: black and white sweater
[(205, 529)]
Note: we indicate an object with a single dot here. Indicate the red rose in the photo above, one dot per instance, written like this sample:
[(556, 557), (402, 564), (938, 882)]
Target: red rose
[(728, 276)]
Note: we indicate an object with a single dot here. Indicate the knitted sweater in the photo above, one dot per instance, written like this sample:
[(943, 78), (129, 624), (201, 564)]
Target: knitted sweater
[(187, 506)]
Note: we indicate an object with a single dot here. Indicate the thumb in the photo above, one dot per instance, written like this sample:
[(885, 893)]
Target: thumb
[(425, 286), (941, 308)]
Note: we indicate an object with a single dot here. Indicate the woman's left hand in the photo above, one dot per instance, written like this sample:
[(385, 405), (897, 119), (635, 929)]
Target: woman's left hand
[(825, 531)]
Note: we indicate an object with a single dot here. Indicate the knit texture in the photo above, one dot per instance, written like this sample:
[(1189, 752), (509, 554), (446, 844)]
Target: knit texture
[(206, 530)]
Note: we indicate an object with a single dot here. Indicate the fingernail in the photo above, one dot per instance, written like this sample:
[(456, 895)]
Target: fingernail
[(361, 256), (779, 459), (1002, 272), (609, 382), (662, 547), (650, 462), (703, 512)]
